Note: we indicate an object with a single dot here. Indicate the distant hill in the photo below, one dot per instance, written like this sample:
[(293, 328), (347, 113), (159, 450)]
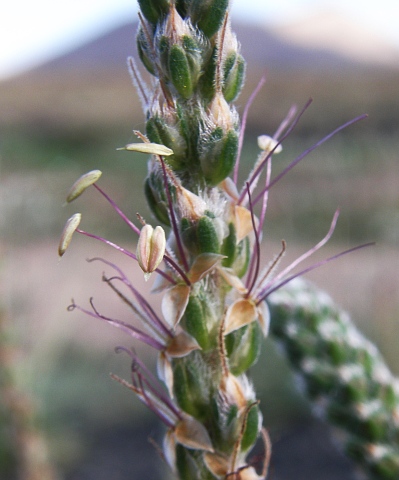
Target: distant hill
[(323, 41), (330, 31), (261, 48)]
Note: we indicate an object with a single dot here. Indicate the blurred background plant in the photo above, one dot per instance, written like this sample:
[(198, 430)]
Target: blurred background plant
[(69, 115), (23, 447)]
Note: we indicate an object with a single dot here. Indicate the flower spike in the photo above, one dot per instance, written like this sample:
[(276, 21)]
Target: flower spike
[(218, 301)]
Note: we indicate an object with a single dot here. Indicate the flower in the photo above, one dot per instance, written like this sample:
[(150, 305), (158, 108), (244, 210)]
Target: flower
[(170, 343), (182, 427)]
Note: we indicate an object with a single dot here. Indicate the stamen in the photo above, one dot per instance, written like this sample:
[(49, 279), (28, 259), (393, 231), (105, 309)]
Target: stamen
[(154, 324), (141, 300), (125, 327), (151, 382), (140, 314), (118, 210), (70, 228), (143, 396), (111, 244), (303, 257), (174, 265), (82, 184), (261, 165), (312, 267), (243, 125), (284, 124), (156, 401), (287, 120), (265, 196), (173, 217), (255, 260), (274, 263), (306, 152), (126, 252)]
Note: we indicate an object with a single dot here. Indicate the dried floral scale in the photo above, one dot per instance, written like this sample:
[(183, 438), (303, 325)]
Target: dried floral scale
[(216, 292)]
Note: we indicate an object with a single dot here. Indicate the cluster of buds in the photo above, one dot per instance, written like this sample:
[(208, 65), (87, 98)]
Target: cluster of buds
[(190, 50), (214, 313)]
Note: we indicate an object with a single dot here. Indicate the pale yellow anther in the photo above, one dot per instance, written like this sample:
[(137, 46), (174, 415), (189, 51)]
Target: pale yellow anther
[(150, 248), (69, 229), (267, 144), (152, 148), (83, 182)]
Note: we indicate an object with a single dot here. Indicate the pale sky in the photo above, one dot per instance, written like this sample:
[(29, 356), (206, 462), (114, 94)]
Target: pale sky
[(32, 31)]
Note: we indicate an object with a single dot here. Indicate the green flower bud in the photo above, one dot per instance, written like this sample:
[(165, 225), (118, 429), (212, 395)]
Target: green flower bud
[(189, 235), (158, 131), (144, 52), (186, 129), (209, 15), (232, 414), (180, 72), (188, 387), (180, 50), (200, 236), (229, 247), (252, 428), (243, 347), (234, 76), (219, 152), (163, 47), (208, 241), (156, 201), (208, 76), (154, 10), (195, 49), (194, 319), (243, 255)]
